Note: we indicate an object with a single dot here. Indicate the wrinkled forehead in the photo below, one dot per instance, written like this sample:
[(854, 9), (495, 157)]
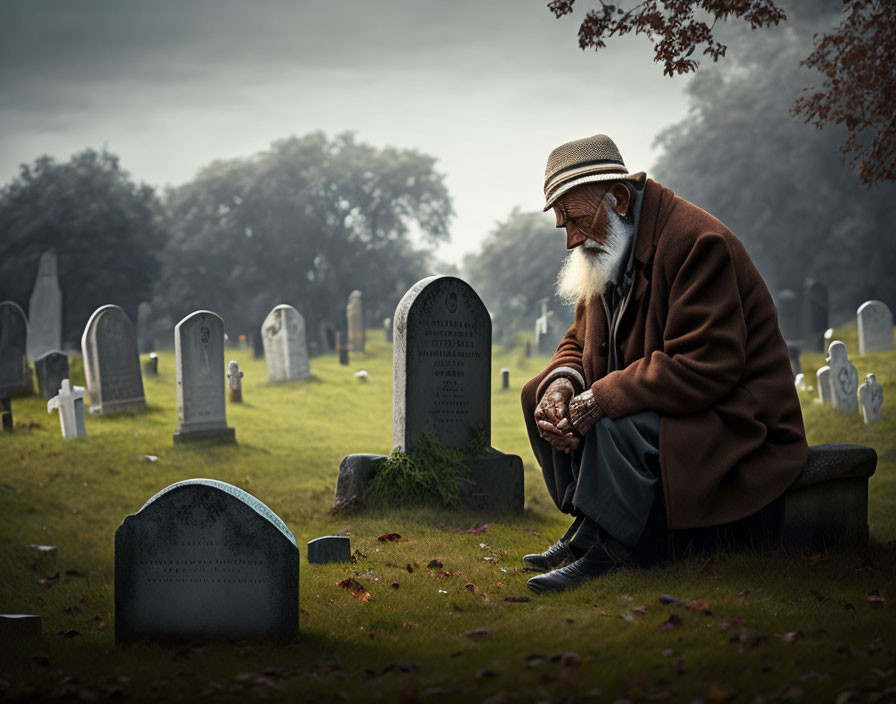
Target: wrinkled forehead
[(579, 201)]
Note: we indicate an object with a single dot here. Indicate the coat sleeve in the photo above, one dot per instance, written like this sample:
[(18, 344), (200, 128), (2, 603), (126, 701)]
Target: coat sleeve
[(704, 340)]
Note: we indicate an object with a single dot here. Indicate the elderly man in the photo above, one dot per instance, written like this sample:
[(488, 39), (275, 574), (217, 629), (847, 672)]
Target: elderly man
[(670, 403)]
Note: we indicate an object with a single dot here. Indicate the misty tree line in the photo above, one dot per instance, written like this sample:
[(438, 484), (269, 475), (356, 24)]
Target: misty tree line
[(303, 223)]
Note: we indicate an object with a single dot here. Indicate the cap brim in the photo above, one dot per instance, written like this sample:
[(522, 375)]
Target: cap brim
[(590, 178)]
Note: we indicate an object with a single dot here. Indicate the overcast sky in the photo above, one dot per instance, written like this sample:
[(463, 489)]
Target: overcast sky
[(488, 87)]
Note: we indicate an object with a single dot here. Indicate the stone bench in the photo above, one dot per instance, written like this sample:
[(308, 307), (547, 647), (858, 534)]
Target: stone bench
[(827, 505)]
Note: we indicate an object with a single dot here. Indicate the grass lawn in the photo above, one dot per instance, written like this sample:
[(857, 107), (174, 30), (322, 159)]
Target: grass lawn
[(786, 626)]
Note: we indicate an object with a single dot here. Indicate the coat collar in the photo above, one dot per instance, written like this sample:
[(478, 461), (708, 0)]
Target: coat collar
[(655, 210)]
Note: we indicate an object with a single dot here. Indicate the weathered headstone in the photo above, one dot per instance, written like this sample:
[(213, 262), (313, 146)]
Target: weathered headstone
[(6, 413), (70, 402), (235, 379), (15, 626), (341, 350), (13, 341), (875, 327), (45, 309), (329, 548), (111, 362), (201, 559), (844, 379), (51, 368), (823, 379), (145, 340), (327, 335), (871, 399), (505, 379), (794, 352), (355, 322), (199, 367), (151, 365), (817, 306), (387, 329), (788, 306), (285, 347), (442, 364)]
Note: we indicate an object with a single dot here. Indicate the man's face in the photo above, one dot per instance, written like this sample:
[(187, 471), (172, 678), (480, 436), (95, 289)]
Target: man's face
[(583, 213)]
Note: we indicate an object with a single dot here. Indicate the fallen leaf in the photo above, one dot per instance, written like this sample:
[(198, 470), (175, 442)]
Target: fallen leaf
[(627, 616), (72, 574), (493, 560), (409, 624), (874, 597), (395, 585), (479, 529), (640, 609), (729, 623), (719, 694), (570, 658), (345, 531), (49, 581), (69, 633), (392, 538), (709, 567), (485, 674), (409, 568), (434, 564), (701, 605), (791, 637), (517, 599), (674, 621), (666, 599), (532, 531), (477, 633), (821, 597), (355, 588)]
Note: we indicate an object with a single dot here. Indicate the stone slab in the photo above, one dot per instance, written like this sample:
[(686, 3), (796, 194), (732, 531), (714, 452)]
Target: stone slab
[(202, 559), (111, 362), (285, 345), (45, 309), (497, 483), (13, 343), (51, 368), (19, 625), (875, 322), (329, 548)]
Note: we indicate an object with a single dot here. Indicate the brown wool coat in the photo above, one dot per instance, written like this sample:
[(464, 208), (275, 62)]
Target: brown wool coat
[(699, 343)]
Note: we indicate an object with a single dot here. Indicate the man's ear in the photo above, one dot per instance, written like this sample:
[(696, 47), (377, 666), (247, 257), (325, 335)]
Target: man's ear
[(623, 198)]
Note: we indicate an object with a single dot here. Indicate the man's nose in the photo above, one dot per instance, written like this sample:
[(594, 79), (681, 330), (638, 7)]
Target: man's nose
[(573, 237)]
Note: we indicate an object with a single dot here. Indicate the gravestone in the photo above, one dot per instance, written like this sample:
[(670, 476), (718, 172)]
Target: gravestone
[(823, 379), (199, 368), (151, 365), (285, 348), (70, 402), (202, 559), (327, 335), (817, 313), (794, 352), (844, 379), (549, 330), (111, 362), (355, 321), (788, 306), (51, 368), (145, 340), (235, 379), (341, 350), (329, 548), (13, 340), (6, 423), (442, 387), (45, 309), (875, 327), (387, 329), (871, 399), (441, 364), (505, 379)]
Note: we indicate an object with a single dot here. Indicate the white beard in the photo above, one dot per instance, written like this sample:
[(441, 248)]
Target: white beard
[(590, 267)]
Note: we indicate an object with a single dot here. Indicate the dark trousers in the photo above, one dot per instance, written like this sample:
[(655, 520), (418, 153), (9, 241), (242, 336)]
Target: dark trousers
[(612, 480)]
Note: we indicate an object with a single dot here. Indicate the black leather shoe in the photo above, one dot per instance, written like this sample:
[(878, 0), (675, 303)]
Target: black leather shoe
[(559, 554), (594, 563)]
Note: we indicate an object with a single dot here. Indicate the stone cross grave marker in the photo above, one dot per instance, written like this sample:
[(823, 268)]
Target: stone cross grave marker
[(285, 346), (51, 368), (111, 362), (875, 327), (70, 402), (199, 368), (871, 399), (823, 379), (844, 379), (45, 309), (235, 379), (355, 321), (442, 364), (13, 341), (203, 558)]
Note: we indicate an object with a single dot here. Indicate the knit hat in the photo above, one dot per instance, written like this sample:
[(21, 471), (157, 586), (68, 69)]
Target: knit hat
[(583, 161)]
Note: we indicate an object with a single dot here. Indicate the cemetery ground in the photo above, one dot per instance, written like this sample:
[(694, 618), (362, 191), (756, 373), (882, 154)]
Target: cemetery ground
[(441, 613)]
